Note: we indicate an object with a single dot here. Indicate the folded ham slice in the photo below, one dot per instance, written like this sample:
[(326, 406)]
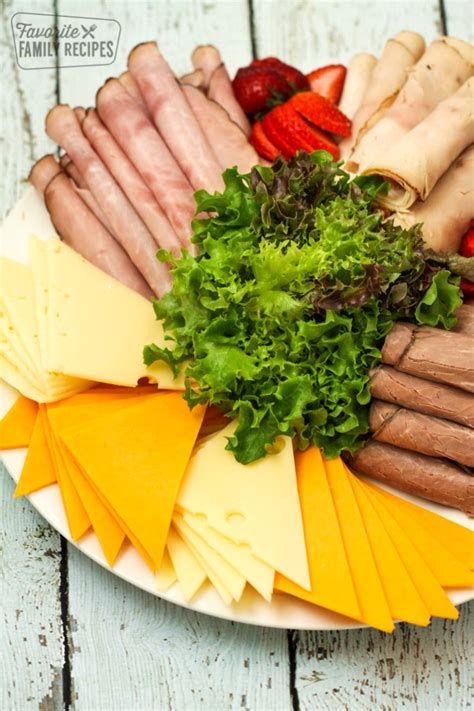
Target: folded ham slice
[(230, 142), (220, 89), (357, 81), (442, 70), (145, 148), (131, 182), (173, 117), (415, 163), (388, 77), (447, 212), (80, 229), (63, 128)]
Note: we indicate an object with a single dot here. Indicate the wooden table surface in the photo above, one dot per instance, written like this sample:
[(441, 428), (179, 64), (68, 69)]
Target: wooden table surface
[(76, 637)]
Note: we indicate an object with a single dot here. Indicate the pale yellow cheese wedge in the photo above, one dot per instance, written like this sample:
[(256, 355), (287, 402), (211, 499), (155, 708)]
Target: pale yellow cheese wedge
[(165, 576), (189, 572), (255, 504), (260, 575)]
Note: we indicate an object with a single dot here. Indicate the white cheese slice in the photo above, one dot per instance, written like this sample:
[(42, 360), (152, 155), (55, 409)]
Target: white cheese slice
[(260, 575), (191, 575), (29, 217), (256, 504), (97, 327)]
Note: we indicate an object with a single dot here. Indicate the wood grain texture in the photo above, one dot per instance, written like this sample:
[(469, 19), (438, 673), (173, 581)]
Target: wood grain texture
[(177, 26), (31, 631), (460, 18), (26, 98), (413, 669), (310, 33), (133, 651)]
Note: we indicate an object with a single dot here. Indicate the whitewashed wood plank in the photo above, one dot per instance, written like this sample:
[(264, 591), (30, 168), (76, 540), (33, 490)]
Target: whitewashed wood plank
[(26, 97), (309, 33), (132, 651), (460, 18), (414, 669), (30, 631), (178, 26)]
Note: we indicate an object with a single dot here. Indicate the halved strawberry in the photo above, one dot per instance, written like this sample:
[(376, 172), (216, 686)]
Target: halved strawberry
[(262, 143), (322, 112), (293, 76), (328, 81), (255, 87), (291, 133)]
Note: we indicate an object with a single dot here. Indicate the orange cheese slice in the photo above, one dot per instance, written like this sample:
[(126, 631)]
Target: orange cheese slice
[(38, 470), (370, 593), (136, 458), (16, 427), (458, 539), (448, 571), (429, 589), (331, 581), (403, 598)]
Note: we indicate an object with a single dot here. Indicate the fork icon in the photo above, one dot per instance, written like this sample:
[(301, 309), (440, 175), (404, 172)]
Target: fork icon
[(89, 32)]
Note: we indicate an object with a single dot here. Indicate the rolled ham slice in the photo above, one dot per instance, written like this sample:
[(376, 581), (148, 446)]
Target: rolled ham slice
[(129, 83), (140, 141), (465, 316), (173, 117), (230, 142), (447, 212), (220, 89), (422, 395), (431, 353), (79, 186), (80, 229), (195, 78), (63, 128), (357, 81), (68, 166), (441, 71), (415, 163), (429, 477), (388, 77), (131, 182), (421, 433), (206, 58)]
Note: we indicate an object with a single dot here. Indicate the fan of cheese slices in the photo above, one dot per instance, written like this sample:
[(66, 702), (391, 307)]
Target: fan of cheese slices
[(137, 467)]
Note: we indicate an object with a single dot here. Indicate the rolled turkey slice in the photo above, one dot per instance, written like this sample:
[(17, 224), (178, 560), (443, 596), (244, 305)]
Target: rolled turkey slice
[(422, 433), (63, 128), (415, 163), (431, 478), (80, 229), (437, 399), (173, 117), (357, 80), (387, 78), (220, 89), (230, 142), (431, 353), (131, 182), (440, 72), (448, 209), (141, 142)]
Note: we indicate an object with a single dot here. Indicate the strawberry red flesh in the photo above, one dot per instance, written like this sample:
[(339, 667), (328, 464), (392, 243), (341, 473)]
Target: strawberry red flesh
[(262, 143), (291, 132), (293, 76), (328, 81), (256, 87), (467, 244), (321, 112)]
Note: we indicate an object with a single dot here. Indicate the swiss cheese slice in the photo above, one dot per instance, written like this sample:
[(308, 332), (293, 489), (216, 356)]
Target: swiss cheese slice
[(402, 596), (255, 504), (232, 579), (38, 470), (370, 593), (434, 597), (166, 576), (260, 575), (97, 327), (332, 585), (189, 572), (17, 426), (136, 458), (447, 569)]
